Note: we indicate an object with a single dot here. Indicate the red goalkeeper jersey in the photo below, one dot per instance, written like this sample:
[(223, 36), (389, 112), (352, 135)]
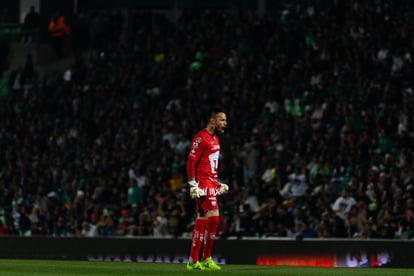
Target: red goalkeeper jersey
[(202, 162)]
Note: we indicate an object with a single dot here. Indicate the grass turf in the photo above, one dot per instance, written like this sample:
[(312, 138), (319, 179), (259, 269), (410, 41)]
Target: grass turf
[(54, 267)]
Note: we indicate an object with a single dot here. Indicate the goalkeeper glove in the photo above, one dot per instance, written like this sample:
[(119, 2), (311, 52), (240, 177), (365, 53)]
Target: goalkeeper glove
[(195, 191), (223, 188)]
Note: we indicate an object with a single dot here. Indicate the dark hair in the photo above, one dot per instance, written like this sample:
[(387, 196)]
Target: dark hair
[(212, 112)]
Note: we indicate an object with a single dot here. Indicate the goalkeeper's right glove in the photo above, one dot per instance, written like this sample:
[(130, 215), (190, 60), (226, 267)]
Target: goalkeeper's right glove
[(195, 191)]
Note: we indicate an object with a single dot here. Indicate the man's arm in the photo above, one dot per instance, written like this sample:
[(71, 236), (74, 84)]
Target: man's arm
[(193, 156), (191, 169)]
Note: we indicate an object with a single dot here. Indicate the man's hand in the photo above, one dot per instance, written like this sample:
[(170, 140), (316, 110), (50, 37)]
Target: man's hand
[(223, 188), (195, 191)]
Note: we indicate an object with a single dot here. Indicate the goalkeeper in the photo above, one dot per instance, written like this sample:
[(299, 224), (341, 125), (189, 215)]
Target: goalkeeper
[(202, 168)]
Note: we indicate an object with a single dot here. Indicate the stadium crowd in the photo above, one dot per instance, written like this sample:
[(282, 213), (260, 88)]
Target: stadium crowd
[(319, 100)]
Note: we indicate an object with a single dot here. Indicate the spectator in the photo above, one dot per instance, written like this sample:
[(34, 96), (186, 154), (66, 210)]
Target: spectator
[(89, 230), (160, 224), (59, 30), (244, 222), (406, 225), (3, 225), (60, 227), (352, 221), (368, 232), (3, 228), (306, 231), (135, 194), (31, 26), (343, 204)]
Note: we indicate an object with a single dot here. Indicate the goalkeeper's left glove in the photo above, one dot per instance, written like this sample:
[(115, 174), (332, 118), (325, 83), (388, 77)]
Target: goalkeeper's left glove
[(223, 188)]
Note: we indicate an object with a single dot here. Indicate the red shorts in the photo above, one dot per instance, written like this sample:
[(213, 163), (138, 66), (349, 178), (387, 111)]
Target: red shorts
[(206, 203)]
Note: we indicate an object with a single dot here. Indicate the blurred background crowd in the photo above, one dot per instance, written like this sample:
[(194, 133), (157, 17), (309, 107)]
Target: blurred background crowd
[(319, 101)]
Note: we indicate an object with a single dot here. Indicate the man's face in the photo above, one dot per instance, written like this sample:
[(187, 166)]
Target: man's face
[(220, 122)]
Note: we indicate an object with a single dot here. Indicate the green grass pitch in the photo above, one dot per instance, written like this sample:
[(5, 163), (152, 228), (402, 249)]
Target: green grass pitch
[(58, 267)]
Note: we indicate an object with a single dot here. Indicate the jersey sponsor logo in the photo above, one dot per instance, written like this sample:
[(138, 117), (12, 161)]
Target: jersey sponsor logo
[(209, 192)]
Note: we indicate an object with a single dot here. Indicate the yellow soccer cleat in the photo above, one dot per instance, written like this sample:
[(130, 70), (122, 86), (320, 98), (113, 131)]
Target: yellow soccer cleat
[(209, 264), (196, 266)]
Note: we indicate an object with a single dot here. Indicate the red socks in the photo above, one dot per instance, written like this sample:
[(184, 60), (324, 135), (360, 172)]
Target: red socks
[(204, 230), (210, 235), (197, 238)]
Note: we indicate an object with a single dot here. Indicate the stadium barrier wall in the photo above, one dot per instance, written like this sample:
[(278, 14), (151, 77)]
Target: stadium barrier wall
[(276, 252)]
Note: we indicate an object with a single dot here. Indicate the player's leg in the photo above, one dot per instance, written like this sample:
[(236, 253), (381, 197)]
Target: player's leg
[(197, 237), (209, 237)]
